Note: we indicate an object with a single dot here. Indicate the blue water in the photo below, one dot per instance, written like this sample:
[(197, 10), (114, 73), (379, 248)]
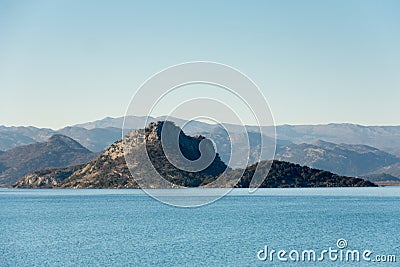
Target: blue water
[(127, 227)]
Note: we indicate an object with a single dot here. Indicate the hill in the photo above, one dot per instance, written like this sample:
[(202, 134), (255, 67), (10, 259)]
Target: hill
[(111, 171), (58, 151), (386, 138), (285, 174), (382, 179), (11, 137), (393, 169), (95, 140), (343, 159)]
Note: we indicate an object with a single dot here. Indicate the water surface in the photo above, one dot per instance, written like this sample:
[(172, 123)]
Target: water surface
[(126, 227)]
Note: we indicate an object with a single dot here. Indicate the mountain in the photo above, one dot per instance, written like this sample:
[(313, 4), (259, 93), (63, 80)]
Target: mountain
[(393, 170), (382, 179), (58, 151), (222, 141), (46, 178), (131, 122), (96, 136), (95, 140), (343, 159), (138, 122), (110, 169), (285, 174), (11, 137), (282, 174), (386, 138), (298, 144)]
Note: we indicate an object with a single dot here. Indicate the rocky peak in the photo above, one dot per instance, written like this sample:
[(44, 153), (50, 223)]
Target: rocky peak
[(163, 147), (110, 170)]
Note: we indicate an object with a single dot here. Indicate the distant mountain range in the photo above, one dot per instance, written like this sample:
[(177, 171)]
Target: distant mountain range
[(94, 139), (110, 170), (58, 151), (393, 170), (345, 149), (383, 179), (343, 159), (386, 138)]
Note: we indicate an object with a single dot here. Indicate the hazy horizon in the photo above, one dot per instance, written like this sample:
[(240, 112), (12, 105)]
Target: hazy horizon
[(118, 117), (65, 63)]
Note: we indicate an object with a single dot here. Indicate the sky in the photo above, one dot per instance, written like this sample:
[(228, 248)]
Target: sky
[(316, 62)]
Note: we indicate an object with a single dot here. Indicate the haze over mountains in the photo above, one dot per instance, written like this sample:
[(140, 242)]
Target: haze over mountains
[(95, 140), (386, 138), (110, 170), (345, 149), (343, 159), (58, 151)]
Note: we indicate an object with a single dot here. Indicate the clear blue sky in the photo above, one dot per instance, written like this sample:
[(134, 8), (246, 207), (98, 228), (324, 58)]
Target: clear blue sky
[(65, 62)]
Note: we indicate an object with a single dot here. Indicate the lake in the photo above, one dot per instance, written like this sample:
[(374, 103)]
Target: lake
[(127, 227)]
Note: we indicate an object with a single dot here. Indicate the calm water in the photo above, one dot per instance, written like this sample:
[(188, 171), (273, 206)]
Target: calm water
[(127, 227)]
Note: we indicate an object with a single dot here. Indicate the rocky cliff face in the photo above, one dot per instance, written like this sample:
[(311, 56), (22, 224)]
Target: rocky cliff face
[(110, 169), (47, 178)]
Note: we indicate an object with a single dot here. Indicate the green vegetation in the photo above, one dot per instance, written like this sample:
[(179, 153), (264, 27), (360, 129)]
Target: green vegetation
[(110, 170), (285, 174)]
